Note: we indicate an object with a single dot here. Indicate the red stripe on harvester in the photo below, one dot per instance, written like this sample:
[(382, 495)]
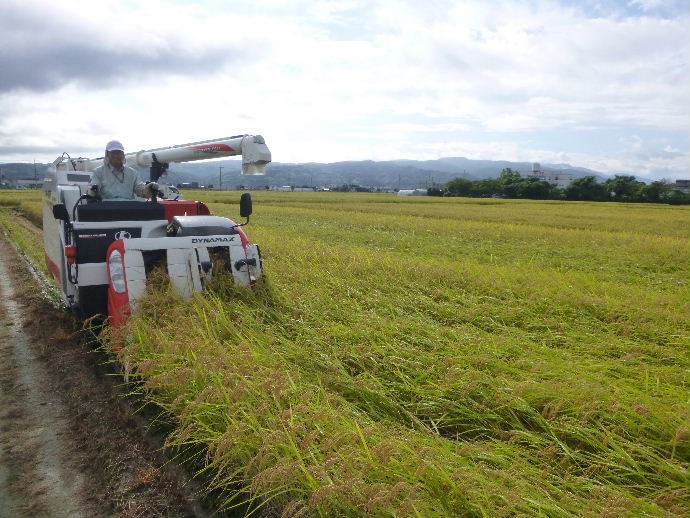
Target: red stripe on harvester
[(212, 147), (119, 309)]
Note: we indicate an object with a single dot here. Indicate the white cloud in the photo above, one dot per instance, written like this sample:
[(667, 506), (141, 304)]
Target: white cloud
[(648, 5), (355, 79)]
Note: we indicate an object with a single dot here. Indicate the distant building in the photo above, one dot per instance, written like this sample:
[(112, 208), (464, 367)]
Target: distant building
[(412, 192), (290, 188), (560, 180), (683, 185)]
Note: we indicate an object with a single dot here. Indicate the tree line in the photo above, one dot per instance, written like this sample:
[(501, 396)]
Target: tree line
[(510, 184)]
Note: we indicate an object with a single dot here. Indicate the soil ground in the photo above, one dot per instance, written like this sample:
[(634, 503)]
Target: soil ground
[(70, 443)]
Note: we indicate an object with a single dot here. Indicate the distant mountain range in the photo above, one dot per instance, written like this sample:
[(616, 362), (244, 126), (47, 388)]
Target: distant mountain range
[(16, 171), (392, 174)]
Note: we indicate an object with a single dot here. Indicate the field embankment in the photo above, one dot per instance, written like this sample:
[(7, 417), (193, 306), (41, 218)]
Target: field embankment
[(438, 357), (70, 443)]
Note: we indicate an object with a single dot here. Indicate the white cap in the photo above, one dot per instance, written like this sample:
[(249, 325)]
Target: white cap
[(115, 145)]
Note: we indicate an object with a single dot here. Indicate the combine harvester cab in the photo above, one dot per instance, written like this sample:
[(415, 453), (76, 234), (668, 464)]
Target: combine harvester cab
[(101, 253)]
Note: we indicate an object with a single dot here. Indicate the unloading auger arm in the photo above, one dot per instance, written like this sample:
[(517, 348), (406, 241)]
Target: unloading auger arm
[(255, 154)]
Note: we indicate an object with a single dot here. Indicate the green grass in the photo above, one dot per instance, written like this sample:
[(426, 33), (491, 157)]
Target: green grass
[(437, 357), (26, 202)]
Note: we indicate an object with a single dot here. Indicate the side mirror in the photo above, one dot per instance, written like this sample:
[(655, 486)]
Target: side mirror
[(246, 205), (60, 212)]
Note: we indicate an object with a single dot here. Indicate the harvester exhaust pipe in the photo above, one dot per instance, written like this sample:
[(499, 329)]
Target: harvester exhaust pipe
[(255, 153)]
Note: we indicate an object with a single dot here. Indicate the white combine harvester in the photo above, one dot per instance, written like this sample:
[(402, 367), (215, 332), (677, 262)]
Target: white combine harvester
[(101, 252)]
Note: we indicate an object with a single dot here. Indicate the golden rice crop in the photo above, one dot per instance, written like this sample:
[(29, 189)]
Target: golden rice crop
[(436, 357)]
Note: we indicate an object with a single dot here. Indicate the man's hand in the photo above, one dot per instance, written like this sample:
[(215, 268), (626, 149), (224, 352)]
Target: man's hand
[(153, 188), (92, 192)]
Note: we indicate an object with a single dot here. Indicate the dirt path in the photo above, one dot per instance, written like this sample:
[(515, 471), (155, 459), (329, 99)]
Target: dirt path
[(33, 426), (69, 444)]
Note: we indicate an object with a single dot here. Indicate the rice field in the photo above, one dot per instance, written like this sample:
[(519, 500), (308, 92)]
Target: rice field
[(436, 357), (28, 203)]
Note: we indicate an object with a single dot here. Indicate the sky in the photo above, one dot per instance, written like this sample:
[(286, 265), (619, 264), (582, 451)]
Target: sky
[(597, 84)]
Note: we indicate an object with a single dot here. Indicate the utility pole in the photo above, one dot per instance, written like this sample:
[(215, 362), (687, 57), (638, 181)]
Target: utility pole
[(220, 178), (35, 178)]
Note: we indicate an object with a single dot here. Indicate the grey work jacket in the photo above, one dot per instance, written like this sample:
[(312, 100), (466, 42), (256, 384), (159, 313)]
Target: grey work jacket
[(122, 184)]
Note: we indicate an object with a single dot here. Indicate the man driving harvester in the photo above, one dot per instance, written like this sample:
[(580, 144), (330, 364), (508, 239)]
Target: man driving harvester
[(116, 181)]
